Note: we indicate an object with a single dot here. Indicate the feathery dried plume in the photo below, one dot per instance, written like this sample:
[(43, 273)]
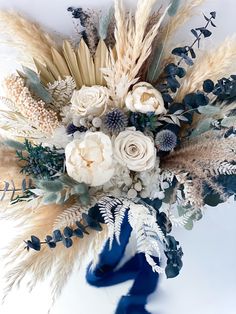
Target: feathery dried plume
[(35, 111), (212, 65), (41, 263), (132, 47), (9, 165), (203, 158), (185, 12), (26, 34)]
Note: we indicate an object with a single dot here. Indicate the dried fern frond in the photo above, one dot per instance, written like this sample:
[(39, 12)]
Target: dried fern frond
[(212, 65), (26, 36), (84, 68), (61, 92), (69, 216)]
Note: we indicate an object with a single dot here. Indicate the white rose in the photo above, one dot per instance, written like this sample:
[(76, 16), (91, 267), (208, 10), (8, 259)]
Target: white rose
[(89, 159), (135, 150), (90, 101), (145, 98)]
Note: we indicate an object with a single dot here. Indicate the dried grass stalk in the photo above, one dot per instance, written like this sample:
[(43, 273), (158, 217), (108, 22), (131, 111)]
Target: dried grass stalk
[(213, 65), (26, 36), (184, 13), (60, 262), (133, 47)]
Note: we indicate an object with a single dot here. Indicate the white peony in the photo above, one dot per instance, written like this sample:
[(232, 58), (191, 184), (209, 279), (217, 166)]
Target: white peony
[(145, 98), (89, 159), (135, 150), (90, 101)]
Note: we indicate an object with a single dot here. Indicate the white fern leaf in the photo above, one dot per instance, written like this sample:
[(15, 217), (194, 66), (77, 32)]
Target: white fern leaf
[(106, 206), (69, 216), (119, 216), (148, 233), (180, 221), (225, 168)]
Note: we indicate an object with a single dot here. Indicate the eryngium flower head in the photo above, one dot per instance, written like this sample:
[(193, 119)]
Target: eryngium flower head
[(115, 121), (166, 140)]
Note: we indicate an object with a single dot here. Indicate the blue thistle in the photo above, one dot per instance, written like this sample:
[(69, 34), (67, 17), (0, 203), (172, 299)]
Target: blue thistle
[(115, 121), (166, 140)]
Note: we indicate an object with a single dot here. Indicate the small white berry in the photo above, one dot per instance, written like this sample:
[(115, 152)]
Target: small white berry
[(83, 122), (128, 181), (132, 193), (138, 186), (97, 122)]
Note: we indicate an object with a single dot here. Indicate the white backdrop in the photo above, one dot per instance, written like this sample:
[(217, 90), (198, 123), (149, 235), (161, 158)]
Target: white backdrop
[(207, 283)]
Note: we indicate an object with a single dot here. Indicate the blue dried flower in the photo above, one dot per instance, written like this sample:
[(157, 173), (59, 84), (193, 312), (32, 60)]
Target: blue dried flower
[(115, 121), (71, 129), (166, 140)]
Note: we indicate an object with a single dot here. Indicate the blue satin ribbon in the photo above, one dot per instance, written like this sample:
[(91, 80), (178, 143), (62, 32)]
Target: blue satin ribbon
[(105, 274)]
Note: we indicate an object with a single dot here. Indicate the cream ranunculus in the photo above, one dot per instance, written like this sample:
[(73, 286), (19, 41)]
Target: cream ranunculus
[(135, 150), (90, 100), (145, 98), (90, 159)]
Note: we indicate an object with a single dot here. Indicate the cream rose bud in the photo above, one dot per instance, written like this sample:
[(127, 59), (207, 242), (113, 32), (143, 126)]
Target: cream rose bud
[(145, 98), (90, 100), (135, 150), (90, 159)]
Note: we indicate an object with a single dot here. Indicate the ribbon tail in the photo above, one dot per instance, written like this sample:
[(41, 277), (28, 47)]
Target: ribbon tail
[(106, 274)]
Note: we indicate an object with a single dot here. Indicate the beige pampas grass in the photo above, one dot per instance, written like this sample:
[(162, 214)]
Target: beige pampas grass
[(26, 36), (203, 158), (60, 262), (213, 65), (185, 12), (133, 47)]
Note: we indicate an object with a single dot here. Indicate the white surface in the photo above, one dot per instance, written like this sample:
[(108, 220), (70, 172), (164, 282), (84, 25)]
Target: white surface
[(207, 283)]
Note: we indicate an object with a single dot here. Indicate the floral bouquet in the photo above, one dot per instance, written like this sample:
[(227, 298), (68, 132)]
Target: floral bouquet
[(114, 133)]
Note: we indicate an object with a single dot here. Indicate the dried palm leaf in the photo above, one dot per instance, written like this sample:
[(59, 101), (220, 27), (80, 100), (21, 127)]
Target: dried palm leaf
[(85, 69), (101, 60), (60, 63), (71, 61), (86, 64)]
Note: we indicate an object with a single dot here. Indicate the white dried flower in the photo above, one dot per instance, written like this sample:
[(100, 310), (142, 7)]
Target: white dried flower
[(135, 150), (90, 101), (89, 159), (145, 98)]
